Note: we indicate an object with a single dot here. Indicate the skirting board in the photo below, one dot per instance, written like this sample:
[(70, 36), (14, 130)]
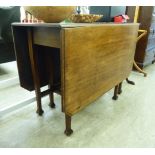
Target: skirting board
[(16, 106), (9, 82)]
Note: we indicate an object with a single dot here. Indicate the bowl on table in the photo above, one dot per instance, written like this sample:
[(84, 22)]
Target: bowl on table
[(50, 14), (85, 18)]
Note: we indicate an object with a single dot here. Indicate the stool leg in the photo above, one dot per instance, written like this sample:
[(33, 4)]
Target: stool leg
[(120, 88), (139, 69), (68, 130), (115, 97)]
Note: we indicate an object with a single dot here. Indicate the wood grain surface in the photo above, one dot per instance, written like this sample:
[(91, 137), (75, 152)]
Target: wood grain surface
[(94, 60), (47, 36)]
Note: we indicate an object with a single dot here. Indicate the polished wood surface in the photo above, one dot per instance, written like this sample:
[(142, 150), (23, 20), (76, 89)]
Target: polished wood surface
[(47, 37), (95, 62), (133, 13), (143, 55)]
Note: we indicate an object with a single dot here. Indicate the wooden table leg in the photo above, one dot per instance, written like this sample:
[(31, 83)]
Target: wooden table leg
[(35, 71), (68, 130), (115, 97), (38, 98), (50, 71), (120, 88), (129, 81), (51, 96)]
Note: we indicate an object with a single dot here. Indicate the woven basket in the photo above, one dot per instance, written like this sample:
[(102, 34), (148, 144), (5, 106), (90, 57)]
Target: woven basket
[(85, 18)]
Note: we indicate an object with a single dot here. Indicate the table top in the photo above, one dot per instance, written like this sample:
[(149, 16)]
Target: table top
[(69, 25)]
